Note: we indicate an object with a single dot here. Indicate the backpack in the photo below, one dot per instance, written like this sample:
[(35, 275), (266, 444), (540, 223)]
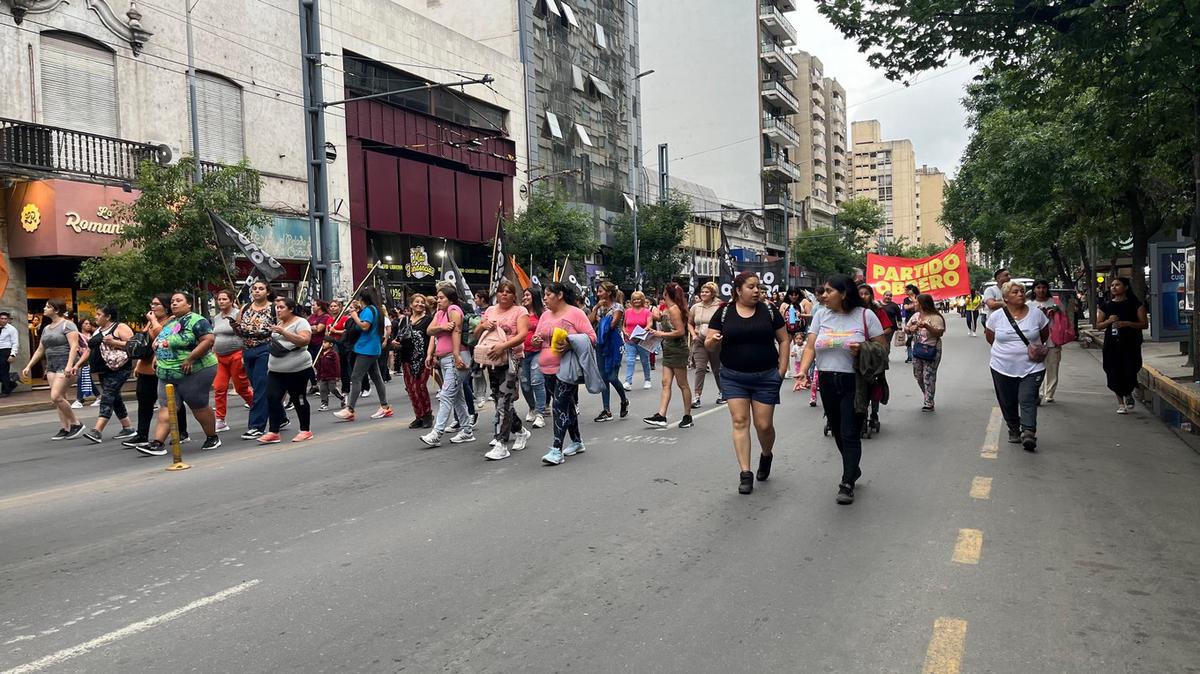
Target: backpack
[(469, 324), (485, 343)]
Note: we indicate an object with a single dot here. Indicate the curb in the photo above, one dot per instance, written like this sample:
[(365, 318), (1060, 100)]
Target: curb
[(1177, 395), (22, 408)]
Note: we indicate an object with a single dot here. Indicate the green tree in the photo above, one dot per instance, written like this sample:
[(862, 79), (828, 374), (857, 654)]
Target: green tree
[(823, 251), (549, 228), (168, 242), (859, 220), (662, 228)]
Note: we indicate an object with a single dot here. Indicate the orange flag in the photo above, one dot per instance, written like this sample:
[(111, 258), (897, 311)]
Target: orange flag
[(523, 280)]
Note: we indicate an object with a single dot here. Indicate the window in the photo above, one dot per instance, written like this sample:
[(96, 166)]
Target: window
[(219, 117), (601, 38), (365, 77), (601, 86), (577, 78), (552, 125), (583, 135), (79, 85), (569, 15), (546, 7)]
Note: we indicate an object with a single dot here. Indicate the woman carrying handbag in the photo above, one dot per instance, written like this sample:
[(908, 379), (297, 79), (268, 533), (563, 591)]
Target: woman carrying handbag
[(1017, 363), (926, 328)]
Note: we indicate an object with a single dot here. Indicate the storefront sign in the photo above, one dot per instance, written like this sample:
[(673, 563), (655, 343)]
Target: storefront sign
[(1168, 291), (418, 265), (288, 239), (64, 217), (944, 276)]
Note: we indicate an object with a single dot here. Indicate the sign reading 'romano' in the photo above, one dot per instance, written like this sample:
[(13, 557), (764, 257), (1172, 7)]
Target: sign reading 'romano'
[(104, 225)]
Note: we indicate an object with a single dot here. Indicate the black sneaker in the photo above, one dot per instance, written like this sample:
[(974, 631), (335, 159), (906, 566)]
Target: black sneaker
[(474, 419), (133, 442), (695, 403), (211, 442), (93, 436), (289, 406), (1029, 441), (61, 434), (624, 408), (76, 431), (845, 494), (1014, 436), (184, 437), (152, 448), (720, 400), (745, 482), (603, 416), (419, 422), (686, 421), (252, 434), (658, 421), (764, 466), (812, 403), (286, 422), (125, 434)]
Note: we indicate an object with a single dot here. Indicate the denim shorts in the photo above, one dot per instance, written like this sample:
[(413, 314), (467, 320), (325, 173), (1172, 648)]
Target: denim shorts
[(761, 387)]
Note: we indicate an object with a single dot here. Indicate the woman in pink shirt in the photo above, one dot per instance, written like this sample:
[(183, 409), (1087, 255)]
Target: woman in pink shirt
[(561, 312), (513, 320), (448, 353), (637, 315)]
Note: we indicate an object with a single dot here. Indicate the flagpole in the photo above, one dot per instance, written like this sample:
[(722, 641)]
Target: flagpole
[(346, 305)]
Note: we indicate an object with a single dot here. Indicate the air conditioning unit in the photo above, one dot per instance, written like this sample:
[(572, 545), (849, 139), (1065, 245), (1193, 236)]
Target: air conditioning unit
[(168, 153)]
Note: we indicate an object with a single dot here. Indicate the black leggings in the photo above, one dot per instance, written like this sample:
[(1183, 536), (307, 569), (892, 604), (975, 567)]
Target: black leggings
[(110, 393), (147, 395), (295, 385), (566, 419), (837, 397)]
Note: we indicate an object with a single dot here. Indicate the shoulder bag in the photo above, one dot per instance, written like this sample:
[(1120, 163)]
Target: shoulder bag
[(138, 347), (923, 351), (486, 341), (1037, 352), (114, 359)]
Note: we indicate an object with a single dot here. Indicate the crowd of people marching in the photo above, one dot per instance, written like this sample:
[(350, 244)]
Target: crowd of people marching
[(533, 348)]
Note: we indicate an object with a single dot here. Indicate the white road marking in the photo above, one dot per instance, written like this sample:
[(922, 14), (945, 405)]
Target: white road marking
[(702, 414), (129, 630)]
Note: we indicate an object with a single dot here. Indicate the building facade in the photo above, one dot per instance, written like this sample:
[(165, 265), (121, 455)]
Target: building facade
[(739, 137), (931, 188), (822, 158), (885, 172)]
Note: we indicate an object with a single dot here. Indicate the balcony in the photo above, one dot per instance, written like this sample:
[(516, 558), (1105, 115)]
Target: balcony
[(36, 151), (777, 168), (776, 23), (780, 201), (781, 131), (777, 93), (785, 5), (778, 61), (818, 98)]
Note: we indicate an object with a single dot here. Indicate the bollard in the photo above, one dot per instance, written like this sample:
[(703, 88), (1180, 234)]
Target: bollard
[(176, 450)]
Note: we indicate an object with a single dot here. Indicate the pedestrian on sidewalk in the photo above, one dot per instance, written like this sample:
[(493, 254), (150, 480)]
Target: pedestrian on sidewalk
[(499, 350), (367, 313), (254, 327), (410, 342), (111, 366), (448, 353), (607, 317), (10, 346), (183, 356), (533, 384), (671, 329), (926, 328), (754, 339), (230, 366), (704, 358), (1062, 331), (59, 347), (835, 338), (289, 369), (561, 319), (84, 388), (1123, 318), (970, 309), (1017, 370), (637, 315), (146, 375)]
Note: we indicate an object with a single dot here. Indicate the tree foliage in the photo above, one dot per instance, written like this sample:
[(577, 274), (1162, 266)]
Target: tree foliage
[(662, 228), (823, 252), (859, 220), (549, 228), (168, 242)]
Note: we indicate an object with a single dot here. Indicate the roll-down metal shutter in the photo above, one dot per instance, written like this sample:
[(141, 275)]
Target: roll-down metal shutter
[(219, 113), (79, 86)]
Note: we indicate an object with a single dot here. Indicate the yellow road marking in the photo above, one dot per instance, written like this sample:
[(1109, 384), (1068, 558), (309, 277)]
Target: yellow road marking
[(968, 547), (945, 652), (981, 487), (991, 438)]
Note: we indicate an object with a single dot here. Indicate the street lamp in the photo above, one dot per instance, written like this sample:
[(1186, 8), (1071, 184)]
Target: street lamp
[(634, 177)]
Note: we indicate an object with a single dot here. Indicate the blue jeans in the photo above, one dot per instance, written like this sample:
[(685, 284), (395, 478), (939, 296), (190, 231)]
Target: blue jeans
[(254, 359), (612, 378), (451, 399), (633, 352), (533, 384)]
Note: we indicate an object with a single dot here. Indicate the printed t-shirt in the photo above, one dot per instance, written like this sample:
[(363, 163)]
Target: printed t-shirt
[(1010, 356), (836, 331), (298, 359), (748, 344), (574, 321), (176, 340), (255, 325), (507, 320), (370, 341), (444, 341)]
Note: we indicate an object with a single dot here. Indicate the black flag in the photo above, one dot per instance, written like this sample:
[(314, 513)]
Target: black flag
[(499, 257), (268, 268), (726, 268), (569, 277), (452, 275)]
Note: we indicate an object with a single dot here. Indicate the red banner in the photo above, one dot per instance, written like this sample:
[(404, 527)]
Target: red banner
[(944, 276)]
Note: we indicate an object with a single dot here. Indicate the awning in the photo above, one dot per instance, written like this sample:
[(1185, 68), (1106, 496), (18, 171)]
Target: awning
[(601, 38), (583, 134), (552, 122), (552, 7), (577, 76), (570, 14), (601, 86)]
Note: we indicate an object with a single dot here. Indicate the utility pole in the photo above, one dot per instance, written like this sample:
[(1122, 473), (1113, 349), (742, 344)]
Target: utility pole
[(194, 117), (319, 232), (664, 175)]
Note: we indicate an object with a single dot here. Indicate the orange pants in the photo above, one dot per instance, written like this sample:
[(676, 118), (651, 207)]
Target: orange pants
[(229, 367)]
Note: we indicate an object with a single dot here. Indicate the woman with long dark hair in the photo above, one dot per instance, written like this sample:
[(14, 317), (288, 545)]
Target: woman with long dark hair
[(230, 366), (533, 384), (671, 327), (288, 371), (59, 347), (448, 352), (926, 327), (146, 391), (84, 386), (367, 312), (111, 366), (835, 338), (607, 318), (1123, 318), (971, 311), (561, 313), (409, 341), (253, 325)]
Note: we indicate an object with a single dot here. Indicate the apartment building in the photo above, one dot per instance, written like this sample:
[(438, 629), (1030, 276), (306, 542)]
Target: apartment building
[(931, 187), (885, 171), (721, 98), (821, 157)]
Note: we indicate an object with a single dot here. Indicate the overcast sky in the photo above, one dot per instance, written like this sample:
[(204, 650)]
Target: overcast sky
[(929, 112)]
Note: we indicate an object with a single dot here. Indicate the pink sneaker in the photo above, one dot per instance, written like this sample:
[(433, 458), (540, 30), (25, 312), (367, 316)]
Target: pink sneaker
[(383, 413), (269, 438), (344, 414), (302, 436)]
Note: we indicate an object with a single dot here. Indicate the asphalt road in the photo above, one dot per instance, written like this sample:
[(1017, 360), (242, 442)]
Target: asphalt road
[(361, 551)]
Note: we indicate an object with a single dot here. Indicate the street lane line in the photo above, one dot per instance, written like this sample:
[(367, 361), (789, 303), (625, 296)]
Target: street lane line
[(945, 652), (129, 630), (705, 413), (968, 547), (991, 437), (981, 487)]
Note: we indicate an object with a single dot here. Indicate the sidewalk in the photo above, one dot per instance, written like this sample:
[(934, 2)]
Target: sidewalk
[(1165, 373), (38, 400)]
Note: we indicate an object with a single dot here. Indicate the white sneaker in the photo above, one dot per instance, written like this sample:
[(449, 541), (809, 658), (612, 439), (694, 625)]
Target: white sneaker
[(365, 394), (463, 436), (521, 440), (493, 442), (539, 421), (1122, 409), (222, 426), (432, 438), (76, 405), (498, 453), (95, 403), (529, 416), (647, 386), (628, 386)]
